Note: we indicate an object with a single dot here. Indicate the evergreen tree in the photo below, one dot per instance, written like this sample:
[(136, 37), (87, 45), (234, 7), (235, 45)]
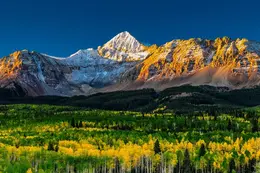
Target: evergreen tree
[(157, 148), (187, 162), (73, 124), (232, 165), (202, 150), (51, 146), (77, 124), (229, 127), (80, 124), (254, 124), (252, 165)]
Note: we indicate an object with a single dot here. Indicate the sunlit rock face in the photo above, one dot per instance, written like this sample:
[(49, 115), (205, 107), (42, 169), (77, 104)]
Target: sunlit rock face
[(220, 62), (39, 74), (9, 67), (123, 63)]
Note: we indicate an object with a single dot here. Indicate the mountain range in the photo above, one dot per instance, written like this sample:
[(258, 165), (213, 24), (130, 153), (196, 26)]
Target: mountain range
[(123, 63)]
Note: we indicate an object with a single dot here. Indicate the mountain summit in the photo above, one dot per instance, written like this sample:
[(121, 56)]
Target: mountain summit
[(124, 41), (123, 47), (123, 63)]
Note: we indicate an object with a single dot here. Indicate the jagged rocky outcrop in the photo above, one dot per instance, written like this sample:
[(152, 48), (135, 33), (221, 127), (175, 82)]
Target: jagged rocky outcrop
[(123, 63), (220, 62)]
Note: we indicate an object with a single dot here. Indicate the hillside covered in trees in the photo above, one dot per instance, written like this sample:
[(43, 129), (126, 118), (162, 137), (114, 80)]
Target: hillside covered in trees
[(184, 98), (185, 129), (44, 138)]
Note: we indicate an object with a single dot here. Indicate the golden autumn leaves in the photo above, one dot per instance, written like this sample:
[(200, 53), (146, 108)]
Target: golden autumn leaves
[(130, 154)]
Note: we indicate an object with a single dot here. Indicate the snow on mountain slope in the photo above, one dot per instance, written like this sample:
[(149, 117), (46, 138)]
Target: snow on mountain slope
[(123, 47), (123, 63), (88, 67), (36, 74), (84, 58), (41, 74)]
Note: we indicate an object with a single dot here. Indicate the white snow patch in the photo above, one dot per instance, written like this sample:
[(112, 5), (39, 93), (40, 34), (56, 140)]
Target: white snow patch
[(40, 74)]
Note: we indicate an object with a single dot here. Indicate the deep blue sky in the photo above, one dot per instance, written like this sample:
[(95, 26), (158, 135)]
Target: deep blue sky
[(61, 27)]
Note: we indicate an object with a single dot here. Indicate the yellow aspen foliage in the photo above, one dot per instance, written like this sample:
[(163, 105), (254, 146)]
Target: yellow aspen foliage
[(29, 171), (200, 142), (216, 165)]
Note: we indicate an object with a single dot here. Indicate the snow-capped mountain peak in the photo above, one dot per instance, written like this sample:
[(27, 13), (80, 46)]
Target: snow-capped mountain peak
[(124, 41), (123, 47), (124, 63)]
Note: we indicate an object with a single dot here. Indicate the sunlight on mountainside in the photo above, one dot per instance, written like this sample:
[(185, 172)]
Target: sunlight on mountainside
[(10, 66), (183, 57), (219, 62)]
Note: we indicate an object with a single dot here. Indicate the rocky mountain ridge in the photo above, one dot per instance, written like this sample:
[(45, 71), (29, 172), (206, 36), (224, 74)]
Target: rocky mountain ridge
[(123, 63)]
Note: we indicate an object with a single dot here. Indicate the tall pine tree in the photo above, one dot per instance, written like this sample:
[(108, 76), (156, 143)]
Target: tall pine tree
[(187, 167), (157, 148)]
